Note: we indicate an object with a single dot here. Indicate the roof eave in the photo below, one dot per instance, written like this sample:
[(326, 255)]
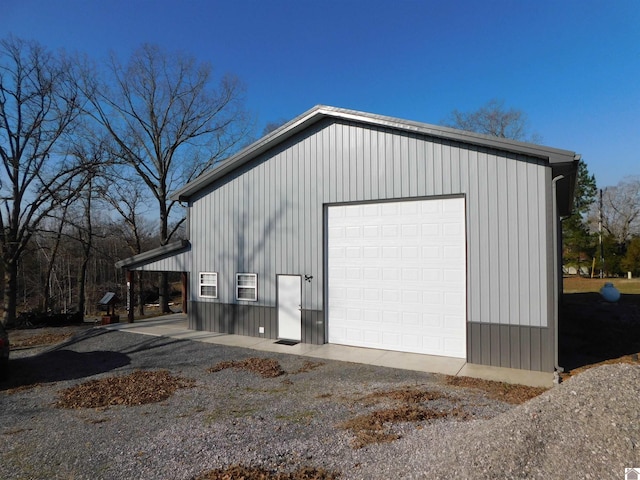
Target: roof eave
[(258, 147), (151, 255), (552, 155)]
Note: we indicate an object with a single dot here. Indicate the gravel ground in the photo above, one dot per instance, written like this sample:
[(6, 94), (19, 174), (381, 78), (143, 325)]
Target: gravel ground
[(588, 426)]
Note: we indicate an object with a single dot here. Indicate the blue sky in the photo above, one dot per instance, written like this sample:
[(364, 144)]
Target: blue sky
[(572, 65)]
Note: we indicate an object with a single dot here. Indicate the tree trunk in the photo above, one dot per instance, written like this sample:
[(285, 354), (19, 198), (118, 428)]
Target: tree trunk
[(82, 278), (141, 298), (10, 292)]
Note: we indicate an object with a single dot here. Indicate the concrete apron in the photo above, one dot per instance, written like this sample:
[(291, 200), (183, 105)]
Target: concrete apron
[(176, 326)]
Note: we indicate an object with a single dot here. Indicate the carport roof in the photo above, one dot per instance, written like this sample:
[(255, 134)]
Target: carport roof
[(563, 162), (154, 255)]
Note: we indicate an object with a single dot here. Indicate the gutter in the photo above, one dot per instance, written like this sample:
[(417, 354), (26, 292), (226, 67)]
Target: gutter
[(557, 368)]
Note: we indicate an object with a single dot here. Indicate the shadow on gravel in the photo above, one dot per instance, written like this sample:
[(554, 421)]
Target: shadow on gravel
[(593, 331), (59, 363)]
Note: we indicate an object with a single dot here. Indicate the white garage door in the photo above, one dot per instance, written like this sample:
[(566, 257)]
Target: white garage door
[(397, 276)]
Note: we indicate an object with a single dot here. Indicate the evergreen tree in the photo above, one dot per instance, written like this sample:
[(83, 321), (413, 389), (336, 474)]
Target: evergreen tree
[(578, 243)]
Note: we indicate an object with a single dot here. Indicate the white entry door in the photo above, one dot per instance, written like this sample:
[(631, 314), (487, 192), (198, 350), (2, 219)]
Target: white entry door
[(289, 307)]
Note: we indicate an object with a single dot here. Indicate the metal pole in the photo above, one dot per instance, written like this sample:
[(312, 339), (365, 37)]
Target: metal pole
[(600, 237), (130, 297)]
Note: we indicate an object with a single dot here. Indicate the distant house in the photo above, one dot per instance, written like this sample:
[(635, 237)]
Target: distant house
[(358, 229)]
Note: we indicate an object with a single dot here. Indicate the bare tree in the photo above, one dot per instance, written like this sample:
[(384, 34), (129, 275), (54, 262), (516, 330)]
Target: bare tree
[(169, 123), (93, 150), (494, 119), (38, 104), (621, 210), (58, 224), (126, 197)]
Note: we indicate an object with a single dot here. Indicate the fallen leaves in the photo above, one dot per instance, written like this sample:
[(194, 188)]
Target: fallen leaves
[(406, 395), (507, 392), (374, 427), (265, 367), (240, 472), (137, 388)]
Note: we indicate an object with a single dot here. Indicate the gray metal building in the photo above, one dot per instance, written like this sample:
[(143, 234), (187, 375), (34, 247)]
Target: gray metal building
[(359, 229)]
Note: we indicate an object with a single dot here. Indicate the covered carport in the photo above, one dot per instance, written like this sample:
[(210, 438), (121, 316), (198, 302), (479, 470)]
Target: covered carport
[(173, 257)]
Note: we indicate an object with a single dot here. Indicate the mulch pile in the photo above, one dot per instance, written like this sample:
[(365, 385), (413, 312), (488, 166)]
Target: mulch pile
[(138, 388)]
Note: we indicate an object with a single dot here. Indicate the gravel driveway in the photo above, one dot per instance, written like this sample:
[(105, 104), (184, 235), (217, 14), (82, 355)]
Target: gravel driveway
[(588, 426)]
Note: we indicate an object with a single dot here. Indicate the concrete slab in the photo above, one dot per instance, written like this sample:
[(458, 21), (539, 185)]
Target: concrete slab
[(235, 341), (345, 353), (208, 337), (176, 326), (304, 349), (508, 375), (421, 363)]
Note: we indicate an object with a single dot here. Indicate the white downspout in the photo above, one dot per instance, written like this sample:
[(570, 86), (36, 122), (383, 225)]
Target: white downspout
[(558, 369)]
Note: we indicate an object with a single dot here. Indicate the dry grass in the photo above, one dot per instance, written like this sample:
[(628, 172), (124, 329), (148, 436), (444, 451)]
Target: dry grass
[(239, 472), (578, 284), (507, 392), (265, 367), (38, 340), (137, 388)]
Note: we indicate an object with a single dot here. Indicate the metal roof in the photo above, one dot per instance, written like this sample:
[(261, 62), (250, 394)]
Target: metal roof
[(553, 155), (143, 258)]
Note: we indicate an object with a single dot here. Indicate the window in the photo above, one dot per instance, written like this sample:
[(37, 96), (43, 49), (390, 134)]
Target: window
[(209, 285), (247, 286)]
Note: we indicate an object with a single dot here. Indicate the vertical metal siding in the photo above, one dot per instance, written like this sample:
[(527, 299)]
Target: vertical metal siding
[(268, 220), (180, 262)]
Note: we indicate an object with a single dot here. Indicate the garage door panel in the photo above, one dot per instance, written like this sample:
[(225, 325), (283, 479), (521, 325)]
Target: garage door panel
[(390, 340), (397, 276)]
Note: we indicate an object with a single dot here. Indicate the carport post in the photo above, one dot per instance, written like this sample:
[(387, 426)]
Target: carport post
[(184, 292), (130, 302)]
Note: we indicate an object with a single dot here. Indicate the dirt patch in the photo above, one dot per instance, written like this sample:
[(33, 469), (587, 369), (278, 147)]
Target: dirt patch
[(239, 472), (507, 392), (375, 427), (265, 367), (138, 388), (307, 367), (43, 336)]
